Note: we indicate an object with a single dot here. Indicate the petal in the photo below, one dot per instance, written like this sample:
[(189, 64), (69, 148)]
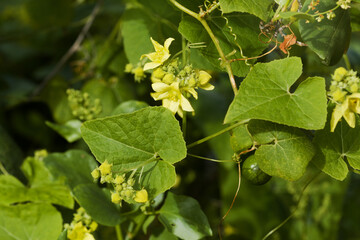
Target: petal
[(174, 106), (151, 65), (185, 104), (168, 42), (207, 87), (158, 47), (193, 92), (336, 116), (160, 87), (350, 118), (158, 96)]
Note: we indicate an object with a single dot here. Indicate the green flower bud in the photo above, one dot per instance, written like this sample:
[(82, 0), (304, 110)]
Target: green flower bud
[(169, 78)]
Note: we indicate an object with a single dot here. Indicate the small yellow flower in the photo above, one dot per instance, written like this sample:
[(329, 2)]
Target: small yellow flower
[(115, 198), (95, 173), (339, 74), (105, 168), (160, 55), (347, 109), (93, 226), (141, 196), (338, 95), (171, 97), (204, 79), (119, 179), (78, 232)]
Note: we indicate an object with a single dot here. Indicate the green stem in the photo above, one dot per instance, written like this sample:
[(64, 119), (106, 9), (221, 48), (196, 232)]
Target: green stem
[(293, 212), (118, 232), (347, 62), (3, 169), (210, 159), (184, 123), (226, 63), (214, 135)]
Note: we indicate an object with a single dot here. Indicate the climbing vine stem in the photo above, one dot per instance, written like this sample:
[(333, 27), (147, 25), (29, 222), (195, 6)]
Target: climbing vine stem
[(224, 61)]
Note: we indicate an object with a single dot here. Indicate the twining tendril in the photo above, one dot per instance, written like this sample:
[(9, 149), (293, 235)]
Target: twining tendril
[(235, 37)]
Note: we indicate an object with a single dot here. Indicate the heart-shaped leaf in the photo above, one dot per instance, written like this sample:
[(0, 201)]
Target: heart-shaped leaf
[(129, 141), (266, 94)]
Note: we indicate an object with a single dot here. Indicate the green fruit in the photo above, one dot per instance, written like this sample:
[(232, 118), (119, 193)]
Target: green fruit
[(252, 172)]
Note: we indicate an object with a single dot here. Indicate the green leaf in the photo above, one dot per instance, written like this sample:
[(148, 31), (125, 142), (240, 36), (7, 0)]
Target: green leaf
[(240, 138), (244, 26), (164, 235), (139, 24), (260, 9), (182, 216), (63, 235), (335, 148), (266, 94), (132, 140), (296, 15), (43, 188), (69, 130), (97, 204), (284, 151), (129, 107), (30, 221), (12, 190), (329, 39), (157, 177), (74, 166)]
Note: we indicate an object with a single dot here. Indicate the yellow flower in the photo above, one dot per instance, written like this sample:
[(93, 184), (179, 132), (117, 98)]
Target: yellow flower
[(338, 95), (95, 173), (105, 168), (160, 55), (171, 97), (115, 198), (339, 74), (204, 79), (347, 109), (78, 232), (141, 196)]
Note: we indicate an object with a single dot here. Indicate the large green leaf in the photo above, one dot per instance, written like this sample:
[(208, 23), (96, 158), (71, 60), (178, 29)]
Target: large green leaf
[(266, 94), (244, 26), (329, 39), (132, 140), (74, 166), (157, 177), (30, 221), (284, 151), (97, 204), (335, 148), (258, 8), (182, 216)]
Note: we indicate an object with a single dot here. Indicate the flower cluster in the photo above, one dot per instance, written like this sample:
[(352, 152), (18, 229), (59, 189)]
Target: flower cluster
[(344, 91), (344, 4), (81, 227), (172, 84), (123, 188), (82, 106), (138, 71)]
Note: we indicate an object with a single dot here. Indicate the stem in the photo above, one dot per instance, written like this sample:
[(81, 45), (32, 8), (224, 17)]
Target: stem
[(225, 62), (347, 62), (293, 212), (184, 123), (3, 169), (209, 159), (214, 135), (233, 201), (76, 45), (118, 232)]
